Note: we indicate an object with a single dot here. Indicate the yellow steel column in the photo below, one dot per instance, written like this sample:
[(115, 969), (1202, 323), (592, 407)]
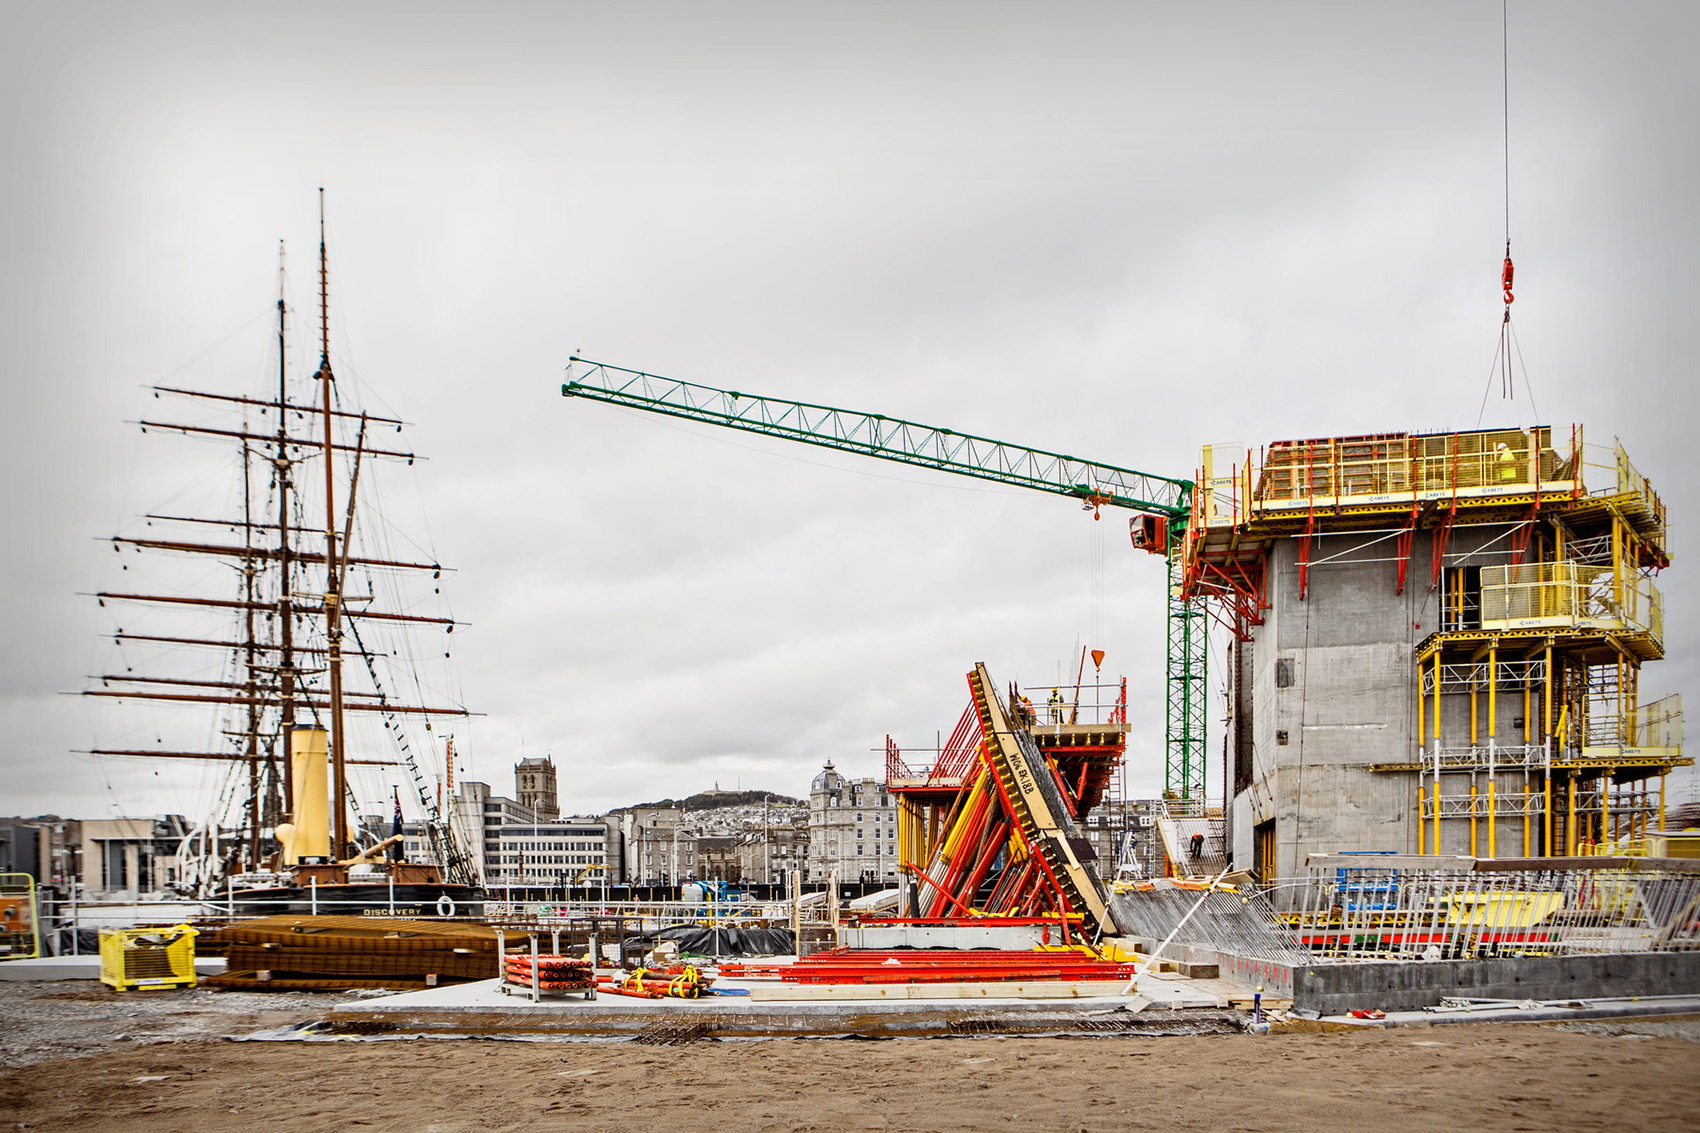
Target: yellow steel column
[(1662, 803), (1570, 822), (1472, 814), (1435, 797), (1436, 731), (1434, 809), (1605, 807), (1546, 739), (1619, 544), (1546, 710), (1422, 709), (1493, 689), (1474, 730), (1493, 732), (1546, 812), (1635, 737), (1422, 742), (1527, 833), (1529, 718), (1422, 830)]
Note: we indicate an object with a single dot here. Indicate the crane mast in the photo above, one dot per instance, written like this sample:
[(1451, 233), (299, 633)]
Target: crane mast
[(882, 437)]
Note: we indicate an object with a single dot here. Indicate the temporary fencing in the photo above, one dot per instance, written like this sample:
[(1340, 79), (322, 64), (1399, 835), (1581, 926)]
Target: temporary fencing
[(1406, 908)]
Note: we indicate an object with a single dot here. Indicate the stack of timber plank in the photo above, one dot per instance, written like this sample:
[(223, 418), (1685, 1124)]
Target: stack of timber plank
[(295, 953)]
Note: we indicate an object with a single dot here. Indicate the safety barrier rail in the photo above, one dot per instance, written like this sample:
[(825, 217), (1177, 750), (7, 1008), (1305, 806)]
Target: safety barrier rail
[(1608, 471), (1411, 464), (1396, 907), (1511, 674), (1402, 909), (1658, 724), (1570, 595)]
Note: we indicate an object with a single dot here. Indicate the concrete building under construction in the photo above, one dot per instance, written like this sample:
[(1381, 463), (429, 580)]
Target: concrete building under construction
[(1437, 644)]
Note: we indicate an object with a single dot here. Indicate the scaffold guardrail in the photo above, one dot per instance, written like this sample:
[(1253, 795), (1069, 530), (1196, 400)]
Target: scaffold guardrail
[(1407, 908)]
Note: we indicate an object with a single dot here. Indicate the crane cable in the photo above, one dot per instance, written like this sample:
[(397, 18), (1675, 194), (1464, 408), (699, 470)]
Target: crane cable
[(1501, 365)]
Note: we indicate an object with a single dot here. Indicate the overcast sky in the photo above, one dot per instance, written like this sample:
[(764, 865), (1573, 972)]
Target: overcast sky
[(1117, 230)]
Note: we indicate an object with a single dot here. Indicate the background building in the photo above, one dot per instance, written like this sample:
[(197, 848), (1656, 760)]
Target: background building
[(38, 847), (768, 855), (852, 828), (512, 844), (659, 850), (534, 784)]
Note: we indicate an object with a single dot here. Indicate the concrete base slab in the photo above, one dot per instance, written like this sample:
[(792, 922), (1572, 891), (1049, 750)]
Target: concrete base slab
[(482, 1009)]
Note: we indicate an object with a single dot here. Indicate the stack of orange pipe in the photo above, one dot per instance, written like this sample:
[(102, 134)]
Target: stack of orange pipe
[(554, 973)]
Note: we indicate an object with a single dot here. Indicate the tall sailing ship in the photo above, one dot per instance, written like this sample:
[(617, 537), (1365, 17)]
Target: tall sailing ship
[(309, 666)]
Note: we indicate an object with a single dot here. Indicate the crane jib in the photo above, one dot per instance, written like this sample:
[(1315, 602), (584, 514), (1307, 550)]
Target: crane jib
[(890, 438), (944, 450)]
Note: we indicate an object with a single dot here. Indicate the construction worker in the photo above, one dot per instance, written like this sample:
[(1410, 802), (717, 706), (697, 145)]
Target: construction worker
[(1507, 463), (1027, 710), (1056, 706), (1197, 846)]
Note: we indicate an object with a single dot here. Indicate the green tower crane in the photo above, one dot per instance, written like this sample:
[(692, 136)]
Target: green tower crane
[(1166, 500)]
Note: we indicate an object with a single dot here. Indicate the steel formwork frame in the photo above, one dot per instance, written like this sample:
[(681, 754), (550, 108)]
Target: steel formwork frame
[(998, 835)]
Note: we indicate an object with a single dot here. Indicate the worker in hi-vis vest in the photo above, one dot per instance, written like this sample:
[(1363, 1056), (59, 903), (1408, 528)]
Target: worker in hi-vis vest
[(1507, 463), (1056, 707)]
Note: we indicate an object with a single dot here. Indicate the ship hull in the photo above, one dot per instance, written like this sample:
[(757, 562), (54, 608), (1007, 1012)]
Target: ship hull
[(362, 899)]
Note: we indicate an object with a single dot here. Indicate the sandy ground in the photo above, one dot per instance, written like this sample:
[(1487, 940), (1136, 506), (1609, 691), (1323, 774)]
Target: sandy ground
[(1640, 1075), (48, 1020)]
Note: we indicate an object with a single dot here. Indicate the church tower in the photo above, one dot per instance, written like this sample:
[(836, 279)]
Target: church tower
[(534, 784)]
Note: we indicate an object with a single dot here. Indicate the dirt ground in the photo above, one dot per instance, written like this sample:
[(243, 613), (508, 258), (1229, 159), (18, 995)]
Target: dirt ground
[(166, 1075)]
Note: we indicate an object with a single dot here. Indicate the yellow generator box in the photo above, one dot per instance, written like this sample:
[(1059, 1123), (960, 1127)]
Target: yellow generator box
[(18, 936), (146, 959)]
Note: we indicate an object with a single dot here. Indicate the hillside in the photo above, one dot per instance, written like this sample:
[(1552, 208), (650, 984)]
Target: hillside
[(714, 800)]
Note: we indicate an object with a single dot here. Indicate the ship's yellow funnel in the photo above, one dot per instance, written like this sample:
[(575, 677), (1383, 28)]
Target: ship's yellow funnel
[(310, 834)]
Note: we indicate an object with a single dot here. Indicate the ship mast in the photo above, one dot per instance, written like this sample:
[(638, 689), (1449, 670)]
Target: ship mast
[(249, 650), (285, 602), (333, 604), (273, 677)]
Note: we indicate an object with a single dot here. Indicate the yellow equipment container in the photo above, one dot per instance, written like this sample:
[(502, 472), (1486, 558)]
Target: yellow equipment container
[(19, 939), (147, 959)]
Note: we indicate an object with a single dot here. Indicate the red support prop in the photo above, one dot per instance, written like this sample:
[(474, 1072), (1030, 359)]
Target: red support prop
[(1304, 553), (1407, 536), (1441, 535), (1520, 537)]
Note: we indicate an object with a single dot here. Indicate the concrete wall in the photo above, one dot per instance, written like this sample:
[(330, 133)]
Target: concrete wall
[(1333, 989)]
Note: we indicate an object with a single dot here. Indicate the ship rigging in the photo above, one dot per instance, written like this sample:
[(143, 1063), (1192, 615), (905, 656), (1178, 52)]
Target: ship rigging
[(316, 638)]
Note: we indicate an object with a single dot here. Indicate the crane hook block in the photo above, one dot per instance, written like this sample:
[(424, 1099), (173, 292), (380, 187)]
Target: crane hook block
[(1505, 281)]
